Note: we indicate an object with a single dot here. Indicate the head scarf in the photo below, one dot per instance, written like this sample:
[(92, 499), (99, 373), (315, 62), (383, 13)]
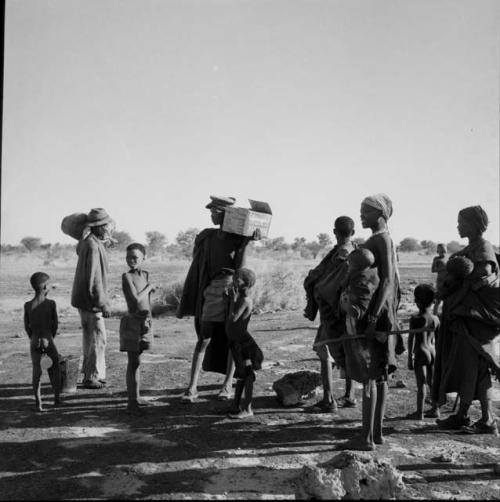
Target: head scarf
[(381, 202), (476, 216)]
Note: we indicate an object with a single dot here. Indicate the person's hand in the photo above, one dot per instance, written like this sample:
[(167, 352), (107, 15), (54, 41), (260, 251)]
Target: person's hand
[(106, 313), (257, 235)]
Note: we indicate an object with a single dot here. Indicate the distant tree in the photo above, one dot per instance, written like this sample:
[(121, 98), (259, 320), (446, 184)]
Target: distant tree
[(277, 244), (31, 243), (358, 241), (409, 244), (314, 247), (185, 241), (324, 240), (429, 246), (155, 241), (298, 243), (453, 246), (123, 239)]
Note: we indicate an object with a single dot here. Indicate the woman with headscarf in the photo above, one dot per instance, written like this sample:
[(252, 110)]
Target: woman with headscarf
[(465, 353), (371, 359)]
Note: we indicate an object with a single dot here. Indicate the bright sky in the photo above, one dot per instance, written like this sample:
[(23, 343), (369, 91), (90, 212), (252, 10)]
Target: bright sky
[(147, 107)]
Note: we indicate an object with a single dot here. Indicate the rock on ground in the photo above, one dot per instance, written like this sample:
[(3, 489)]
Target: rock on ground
[(350, 476), (291, 388)]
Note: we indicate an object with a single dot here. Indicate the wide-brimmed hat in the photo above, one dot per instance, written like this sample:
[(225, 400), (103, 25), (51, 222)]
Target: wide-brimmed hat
[(98, 216), (220, 202)]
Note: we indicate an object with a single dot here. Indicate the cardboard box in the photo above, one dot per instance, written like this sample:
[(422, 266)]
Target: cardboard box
[(242, 221)]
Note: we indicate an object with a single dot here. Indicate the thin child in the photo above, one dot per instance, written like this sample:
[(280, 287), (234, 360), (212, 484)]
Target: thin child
[(135, 328), (422, 350), (246, 353), (41, 323)]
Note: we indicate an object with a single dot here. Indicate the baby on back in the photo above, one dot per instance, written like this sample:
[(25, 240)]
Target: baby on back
[(362, 281)]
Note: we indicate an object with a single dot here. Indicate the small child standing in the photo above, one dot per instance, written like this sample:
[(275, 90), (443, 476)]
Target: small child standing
[(135, 327), (246, 353), (421, 348), (439, 268), (40, 323)]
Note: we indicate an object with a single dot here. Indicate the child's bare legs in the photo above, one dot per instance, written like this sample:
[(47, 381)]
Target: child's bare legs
[(236, 406), (434, 411), (37, 373), (133, 380), (228, 380), (382, 391), (245, 409), (421, 377), (56, 384)]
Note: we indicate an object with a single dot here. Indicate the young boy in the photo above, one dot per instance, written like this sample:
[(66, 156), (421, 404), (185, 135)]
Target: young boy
[(40, 323), (323, 284), (246, 353), (421, 348), (439, 268), (135, 328)]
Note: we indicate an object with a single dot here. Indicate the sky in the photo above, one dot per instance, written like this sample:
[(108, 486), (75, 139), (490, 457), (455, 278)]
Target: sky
[(147, 107)]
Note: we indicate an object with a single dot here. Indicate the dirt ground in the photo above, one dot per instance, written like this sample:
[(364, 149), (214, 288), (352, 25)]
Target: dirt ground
[(90, 448)]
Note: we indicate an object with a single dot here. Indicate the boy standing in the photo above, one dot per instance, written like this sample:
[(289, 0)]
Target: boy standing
[(324, 282), (90, 295), (421, 349), (246, 353), (40, 323), (136, 326)]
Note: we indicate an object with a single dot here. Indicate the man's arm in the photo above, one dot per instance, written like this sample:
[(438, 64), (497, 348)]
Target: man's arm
[(99, 297)]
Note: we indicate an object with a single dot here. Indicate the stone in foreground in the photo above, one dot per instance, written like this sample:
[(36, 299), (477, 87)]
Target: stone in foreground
[(293, 388), (350, 476)]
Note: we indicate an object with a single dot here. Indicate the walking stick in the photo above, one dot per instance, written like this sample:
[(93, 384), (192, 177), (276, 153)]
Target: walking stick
[(345, 338)]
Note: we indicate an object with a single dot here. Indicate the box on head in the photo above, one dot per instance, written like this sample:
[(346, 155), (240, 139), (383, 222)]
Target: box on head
[(243, 221)]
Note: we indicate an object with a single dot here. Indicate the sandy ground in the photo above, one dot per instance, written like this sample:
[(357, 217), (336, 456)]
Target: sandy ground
[(90, 448)]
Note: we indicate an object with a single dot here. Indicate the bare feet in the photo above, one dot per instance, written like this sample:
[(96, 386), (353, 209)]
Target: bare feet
[(189, 396), (360, 444), (241, 414), (224, 395)]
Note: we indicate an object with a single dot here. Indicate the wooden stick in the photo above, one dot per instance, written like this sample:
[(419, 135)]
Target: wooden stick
[(363, 335)]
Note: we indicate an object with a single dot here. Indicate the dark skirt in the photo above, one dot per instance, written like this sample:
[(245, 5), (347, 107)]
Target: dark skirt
[(242, 348)]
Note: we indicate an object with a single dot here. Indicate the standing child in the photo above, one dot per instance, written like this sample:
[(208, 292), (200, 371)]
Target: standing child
[(246, 353), (439, 268), (421, 349), (135, 328), (40, 323)]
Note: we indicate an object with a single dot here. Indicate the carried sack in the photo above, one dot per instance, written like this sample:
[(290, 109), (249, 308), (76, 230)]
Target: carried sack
[(74, 224)]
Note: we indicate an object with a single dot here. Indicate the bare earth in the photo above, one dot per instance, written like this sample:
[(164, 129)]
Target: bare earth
[(90, 448)]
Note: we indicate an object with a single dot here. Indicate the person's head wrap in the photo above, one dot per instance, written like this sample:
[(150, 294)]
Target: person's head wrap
[(476, 216), (381, 202)]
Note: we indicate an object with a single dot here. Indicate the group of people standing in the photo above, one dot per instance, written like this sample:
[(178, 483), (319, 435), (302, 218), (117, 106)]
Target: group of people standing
[(355, 290)]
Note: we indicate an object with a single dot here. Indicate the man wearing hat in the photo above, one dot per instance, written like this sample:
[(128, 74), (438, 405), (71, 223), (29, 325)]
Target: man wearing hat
[(215, 253), (90, 294)]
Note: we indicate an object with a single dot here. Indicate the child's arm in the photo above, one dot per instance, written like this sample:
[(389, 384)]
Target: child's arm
[(243, 309), (27, 326), (55, 320), (130, 291)]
